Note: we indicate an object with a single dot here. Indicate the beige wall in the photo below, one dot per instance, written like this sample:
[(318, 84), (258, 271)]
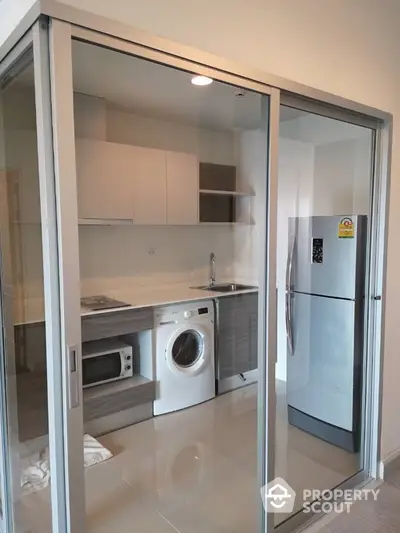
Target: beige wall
[(346, 48), (11, 11)]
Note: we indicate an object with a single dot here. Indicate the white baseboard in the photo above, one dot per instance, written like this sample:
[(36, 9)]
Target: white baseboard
[(236, 382), (390, 463)]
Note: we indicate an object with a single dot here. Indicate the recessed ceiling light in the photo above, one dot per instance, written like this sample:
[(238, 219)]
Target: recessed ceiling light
[(201, 80)]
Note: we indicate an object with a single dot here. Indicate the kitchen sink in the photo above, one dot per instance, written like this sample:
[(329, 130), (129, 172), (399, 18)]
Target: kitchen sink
[(225, 287)]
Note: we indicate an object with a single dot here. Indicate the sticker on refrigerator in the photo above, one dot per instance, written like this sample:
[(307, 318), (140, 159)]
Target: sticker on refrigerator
[(346, 228)]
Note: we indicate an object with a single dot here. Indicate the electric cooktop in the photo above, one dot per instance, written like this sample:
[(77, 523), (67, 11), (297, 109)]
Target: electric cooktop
[(97, 303)]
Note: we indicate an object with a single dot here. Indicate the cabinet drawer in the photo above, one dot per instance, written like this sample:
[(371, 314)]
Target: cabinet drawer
[(111, 398), (117, 323)]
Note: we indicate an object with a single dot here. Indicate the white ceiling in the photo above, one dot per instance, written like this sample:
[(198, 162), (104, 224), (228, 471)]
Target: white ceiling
[(152, 89), (316, 130)]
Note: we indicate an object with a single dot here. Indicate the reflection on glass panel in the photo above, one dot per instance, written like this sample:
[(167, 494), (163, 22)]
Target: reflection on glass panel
[(324, 201), (171, 198), (24, 357)]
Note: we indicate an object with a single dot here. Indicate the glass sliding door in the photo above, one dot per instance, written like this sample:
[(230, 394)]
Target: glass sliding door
[(325, 184), (23, 372), (171, 183), (31, 392)]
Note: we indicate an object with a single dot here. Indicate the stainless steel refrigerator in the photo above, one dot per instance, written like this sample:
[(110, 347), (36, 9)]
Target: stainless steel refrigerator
[(325, 286)]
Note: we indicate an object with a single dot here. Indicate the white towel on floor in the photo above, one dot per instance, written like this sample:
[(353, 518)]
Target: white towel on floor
[(94, 452), (35, 470)]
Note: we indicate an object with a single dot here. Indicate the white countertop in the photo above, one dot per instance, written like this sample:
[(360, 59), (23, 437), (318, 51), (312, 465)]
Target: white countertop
[(137, 297), (162, 295)]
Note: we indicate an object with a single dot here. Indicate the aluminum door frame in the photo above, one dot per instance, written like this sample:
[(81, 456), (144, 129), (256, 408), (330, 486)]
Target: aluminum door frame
[(61, 91), (52, 264), (377, 268)]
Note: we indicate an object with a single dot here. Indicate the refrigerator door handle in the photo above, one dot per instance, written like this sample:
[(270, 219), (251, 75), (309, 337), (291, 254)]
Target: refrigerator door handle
[(289, 267), (288, 316), (289, 264), (289, 294)]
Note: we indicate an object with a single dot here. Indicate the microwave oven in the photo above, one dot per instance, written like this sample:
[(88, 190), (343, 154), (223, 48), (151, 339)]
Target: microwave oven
[(105, 361)]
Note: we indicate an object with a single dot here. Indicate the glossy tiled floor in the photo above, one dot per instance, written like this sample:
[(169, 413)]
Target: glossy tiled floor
[(195, 471), (380, 516), (304, 461)]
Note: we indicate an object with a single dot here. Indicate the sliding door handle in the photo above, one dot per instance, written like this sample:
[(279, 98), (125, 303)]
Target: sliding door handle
[(73, 377)]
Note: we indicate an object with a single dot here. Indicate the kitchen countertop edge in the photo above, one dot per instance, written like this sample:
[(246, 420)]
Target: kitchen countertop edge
[(208, 295), (192, 296)]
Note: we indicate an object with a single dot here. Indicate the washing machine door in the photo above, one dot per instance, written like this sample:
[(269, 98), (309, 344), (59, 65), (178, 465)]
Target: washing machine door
[(188, 350)]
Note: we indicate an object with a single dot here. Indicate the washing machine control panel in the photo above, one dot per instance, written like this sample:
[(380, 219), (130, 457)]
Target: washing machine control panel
[(188, 312)]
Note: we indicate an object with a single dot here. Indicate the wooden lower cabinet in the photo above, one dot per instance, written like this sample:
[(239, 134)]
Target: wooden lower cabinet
[(237, 317)]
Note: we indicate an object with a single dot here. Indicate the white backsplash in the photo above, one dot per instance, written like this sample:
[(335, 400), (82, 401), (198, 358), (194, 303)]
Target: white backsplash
[(116, 258)]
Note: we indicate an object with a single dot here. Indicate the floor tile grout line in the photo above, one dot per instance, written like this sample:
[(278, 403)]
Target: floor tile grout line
[(166, 520)]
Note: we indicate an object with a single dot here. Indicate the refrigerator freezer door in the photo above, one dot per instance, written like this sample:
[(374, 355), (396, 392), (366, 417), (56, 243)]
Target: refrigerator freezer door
[(324, 258), (320, 373)]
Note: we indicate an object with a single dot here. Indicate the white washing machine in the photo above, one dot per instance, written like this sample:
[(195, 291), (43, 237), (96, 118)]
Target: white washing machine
[(184, 345)]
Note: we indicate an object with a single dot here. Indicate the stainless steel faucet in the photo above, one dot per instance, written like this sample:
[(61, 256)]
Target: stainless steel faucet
[(211, 281)]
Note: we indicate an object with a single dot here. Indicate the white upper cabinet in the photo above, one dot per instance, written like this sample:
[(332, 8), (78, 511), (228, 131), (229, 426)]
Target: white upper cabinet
[(105, 173), (143, 186), (149, 186), (182, 188)]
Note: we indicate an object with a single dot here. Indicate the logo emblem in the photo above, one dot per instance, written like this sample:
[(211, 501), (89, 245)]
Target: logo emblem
[(278, 496)]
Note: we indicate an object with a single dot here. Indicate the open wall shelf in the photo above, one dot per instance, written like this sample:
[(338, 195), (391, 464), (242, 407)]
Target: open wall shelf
[(219, 200), (225, 193)]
